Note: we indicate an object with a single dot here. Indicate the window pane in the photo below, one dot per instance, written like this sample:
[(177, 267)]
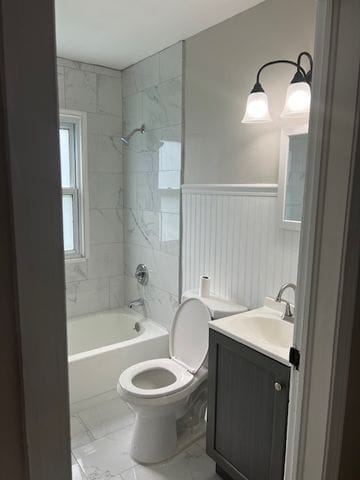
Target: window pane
[(65, 157), (68, 222)]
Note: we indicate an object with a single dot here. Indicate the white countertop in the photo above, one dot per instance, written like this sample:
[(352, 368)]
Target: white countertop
[(261, 329)]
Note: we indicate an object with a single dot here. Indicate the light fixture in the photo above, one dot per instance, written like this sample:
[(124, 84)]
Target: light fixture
[(298, 97), (257, 108)]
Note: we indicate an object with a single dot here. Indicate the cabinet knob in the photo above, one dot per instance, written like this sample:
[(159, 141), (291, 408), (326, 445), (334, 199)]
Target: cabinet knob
[(277, 386)]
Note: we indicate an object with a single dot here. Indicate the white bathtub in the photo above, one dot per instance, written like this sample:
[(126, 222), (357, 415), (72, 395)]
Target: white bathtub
[(102, 345)]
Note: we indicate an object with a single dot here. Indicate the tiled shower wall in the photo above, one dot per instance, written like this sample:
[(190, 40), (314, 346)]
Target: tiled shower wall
[(152, 95), (97, 283)]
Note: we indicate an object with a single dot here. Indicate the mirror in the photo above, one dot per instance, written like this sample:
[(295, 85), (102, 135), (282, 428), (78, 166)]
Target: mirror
[(293, 151)]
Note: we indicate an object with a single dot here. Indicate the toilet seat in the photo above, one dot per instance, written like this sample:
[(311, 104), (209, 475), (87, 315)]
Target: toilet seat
[(189, 335), (188, 345), (181, 375)]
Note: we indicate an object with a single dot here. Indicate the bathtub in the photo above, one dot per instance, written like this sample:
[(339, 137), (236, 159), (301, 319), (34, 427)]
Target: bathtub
[(102, 345)]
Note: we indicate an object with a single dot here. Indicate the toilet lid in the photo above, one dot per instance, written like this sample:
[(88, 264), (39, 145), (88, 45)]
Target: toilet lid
[(189, 336)]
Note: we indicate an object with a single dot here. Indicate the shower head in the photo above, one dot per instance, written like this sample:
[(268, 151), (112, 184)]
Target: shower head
[(126, 140)]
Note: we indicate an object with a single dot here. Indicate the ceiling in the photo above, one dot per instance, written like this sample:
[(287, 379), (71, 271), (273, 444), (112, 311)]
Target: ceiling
[(118, 33)]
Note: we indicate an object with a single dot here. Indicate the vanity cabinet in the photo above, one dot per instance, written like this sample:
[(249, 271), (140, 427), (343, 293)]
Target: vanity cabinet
[(247, 411)]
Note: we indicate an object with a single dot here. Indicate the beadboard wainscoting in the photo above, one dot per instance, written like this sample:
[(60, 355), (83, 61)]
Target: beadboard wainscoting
[(232, 233)]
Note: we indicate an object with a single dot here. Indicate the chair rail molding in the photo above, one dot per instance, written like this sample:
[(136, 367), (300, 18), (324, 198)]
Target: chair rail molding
[(255, 189)]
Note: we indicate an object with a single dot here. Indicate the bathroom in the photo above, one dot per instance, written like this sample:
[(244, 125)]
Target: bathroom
[(170, 194)]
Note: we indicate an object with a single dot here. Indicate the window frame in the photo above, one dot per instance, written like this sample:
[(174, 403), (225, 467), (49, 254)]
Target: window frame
[(76, 123), (285, 135)]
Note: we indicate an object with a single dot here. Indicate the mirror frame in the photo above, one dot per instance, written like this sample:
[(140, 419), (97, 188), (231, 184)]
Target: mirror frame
[(285, 135)]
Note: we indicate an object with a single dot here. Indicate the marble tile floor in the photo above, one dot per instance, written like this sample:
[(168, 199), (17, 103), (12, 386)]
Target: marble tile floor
[(100, 439)]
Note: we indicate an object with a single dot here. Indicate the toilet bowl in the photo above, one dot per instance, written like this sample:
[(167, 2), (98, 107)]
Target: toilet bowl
[(169, 395)]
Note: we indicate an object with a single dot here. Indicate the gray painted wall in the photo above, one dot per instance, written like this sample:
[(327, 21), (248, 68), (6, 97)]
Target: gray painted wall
[(220, 69)]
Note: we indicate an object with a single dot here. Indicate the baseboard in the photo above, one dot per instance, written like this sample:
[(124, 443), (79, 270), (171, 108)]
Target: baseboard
[(222, 474)]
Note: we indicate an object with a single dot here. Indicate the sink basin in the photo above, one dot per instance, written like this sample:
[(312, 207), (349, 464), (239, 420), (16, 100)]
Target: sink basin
[(269, 330), (262, 329)]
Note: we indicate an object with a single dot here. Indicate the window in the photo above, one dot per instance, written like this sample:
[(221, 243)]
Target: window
[(73, 182)]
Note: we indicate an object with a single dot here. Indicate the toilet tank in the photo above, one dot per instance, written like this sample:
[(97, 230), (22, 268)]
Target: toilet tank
[(218, 307)]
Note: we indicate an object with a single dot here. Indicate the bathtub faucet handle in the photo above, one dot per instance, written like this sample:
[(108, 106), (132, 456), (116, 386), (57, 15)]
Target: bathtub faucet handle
[(142, 274)]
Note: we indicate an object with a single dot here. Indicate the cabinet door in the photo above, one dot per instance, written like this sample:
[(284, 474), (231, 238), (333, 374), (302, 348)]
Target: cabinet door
[(247, 415)]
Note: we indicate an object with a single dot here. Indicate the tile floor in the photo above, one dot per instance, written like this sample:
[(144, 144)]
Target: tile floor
[(100, 438)]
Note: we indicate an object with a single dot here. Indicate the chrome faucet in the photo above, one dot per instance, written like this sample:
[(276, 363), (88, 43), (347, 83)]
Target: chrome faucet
[(139, 302), (288, 314)]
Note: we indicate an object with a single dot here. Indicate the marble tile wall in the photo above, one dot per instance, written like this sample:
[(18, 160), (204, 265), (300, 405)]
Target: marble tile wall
[(97, 283), (152, 94)]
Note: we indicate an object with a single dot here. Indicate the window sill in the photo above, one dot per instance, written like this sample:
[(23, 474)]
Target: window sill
[(75, 260)]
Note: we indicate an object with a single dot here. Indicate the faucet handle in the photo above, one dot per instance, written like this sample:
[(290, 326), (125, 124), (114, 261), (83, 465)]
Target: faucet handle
[(142, 274), (288, 314)]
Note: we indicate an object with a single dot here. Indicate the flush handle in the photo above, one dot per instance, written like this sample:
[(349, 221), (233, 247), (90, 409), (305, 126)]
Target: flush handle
[(277, 386)]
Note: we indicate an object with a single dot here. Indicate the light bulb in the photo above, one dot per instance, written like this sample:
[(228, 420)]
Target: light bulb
[(257, 109), (298, 100)]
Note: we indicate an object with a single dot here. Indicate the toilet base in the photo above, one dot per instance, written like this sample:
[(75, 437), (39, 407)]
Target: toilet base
[(166, 425), (154, 437), (161, 441), (191, 436)]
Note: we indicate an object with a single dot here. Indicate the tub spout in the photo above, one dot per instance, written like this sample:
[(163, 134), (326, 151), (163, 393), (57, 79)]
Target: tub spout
[(139, 302)]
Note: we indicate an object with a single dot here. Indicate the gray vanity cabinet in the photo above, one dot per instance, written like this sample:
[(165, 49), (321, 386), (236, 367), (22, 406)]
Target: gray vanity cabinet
[(247, 411)]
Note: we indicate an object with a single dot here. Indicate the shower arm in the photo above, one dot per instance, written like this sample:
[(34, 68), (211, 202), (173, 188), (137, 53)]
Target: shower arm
[(133, 132), (141, 130)]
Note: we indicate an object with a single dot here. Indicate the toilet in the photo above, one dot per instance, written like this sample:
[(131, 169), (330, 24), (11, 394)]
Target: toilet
[(169, 395)]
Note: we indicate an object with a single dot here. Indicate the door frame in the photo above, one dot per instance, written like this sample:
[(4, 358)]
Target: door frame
[(32, 290), (329, 248)]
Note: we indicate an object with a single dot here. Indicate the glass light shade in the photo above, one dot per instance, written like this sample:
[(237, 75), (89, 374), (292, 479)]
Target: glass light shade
[(257, 109), (298, 99)]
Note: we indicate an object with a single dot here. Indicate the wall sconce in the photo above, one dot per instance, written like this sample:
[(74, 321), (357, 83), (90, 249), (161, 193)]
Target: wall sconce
[(298, 96)]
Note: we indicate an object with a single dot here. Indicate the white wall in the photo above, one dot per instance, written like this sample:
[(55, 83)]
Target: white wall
[(233, 235), (97, 283), (220, 69)]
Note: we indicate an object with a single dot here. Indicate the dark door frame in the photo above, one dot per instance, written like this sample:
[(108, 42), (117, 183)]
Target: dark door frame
[(33, 370)]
